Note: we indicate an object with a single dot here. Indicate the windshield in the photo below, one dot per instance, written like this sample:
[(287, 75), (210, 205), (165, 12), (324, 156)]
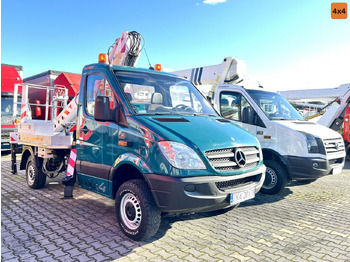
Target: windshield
[(7, 109), (275, 106), (152, 93)]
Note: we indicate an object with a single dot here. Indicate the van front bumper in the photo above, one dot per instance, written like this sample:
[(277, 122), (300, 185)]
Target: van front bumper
[(301, 168), (201, 193)]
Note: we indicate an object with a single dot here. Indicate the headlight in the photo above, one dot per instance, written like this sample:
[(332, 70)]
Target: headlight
[(312, 146), (180, 155)]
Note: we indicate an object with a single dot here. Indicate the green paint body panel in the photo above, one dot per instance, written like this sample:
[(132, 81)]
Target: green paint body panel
[(101, 154), (98, 185)]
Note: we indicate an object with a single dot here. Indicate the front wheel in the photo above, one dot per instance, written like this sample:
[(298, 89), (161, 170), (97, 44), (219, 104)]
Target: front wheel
[(275, 178), (137, 214), (36, 178)]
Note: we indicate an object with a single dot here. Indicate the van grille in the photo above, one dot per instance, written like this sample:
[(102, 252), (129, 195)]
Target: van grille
[(230, 184), (5, 134), (334, 145), (231, 159)]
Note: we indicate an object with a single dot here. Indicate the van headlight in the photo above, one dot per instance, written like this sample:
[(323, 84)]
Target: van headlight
[(180, 155), (312, 145)]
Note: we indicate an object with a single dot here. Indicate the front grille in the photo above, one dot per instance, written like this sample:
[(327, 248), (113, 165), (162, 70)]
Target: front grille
[(334, 145), (5, 134), (230, 184), (225, 160)]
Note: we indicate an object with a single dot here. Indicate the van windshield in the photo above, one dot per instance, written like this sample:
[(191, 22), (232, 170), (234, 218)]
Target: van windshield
[(275, 106), (155, 94)]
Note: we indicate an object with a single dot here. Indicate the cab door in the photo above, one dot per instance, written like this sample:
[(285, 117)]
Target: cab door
[(95, 145), (234, 105)]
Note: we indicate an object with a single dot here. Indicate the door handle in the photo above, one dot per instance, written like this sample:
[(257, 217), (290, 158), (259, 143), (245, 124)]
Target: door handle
[(84, 129)]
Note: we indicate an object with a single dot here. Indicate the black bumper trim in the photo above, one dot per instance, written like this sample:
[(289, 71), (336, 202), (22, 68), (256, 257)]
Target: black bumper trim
[(202, 193), (300, 168)]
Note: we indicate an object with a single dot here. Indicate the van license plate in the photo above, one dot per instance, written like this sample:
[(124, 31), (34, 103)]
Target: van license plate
[(337, 170), (242, 196)]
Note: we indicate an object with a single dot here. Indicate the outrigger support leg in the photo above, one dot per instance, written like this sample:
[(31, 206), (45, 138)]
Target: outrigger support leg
[(71, 174), (13, 159), (69, 180)]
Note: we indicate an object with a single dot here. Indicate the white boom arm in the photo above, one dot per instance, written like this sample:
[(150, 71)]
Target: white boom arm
[(333, 117), (327, 94), (67, 118), (231, 70)]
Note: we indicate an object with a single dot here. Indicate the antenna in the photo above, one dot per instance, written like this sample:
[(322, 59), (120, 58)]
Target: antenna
[(150, 66)]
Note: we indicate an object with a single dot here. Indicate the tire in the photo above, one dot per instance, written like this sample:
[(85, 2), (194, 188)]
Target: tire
[(138, 216), (275, 178), (36, 179)]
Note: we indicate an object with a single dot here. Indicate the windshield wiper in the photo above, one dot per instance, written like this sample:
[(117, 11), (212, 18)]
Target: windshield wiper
[(203, 114)]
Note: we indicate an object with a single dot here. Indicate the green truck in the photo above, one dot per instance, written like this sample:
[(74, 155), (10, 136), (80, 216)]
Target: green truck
[(145, 138)]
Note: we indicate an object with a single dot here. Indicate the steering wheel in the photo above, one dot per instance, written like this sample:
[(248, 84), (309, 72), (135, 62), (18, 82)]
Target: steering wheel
[(184, 108)]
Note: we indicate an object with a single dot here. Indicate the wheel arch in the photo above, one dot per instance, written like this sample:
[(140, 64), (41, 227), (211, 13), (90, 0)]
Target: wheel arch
[(26, 153), (269, 154), (124, 173), (128, 166)]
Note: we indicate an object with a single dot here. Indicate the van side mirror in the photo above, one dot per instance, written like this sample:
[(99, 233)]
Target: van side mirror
[(209, 99), (249, 116), (102, 110)]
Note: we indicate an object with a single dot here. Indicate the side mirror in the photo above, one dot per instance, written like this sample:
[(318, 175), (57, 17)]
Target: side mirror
[(102, 111), (248, 116)]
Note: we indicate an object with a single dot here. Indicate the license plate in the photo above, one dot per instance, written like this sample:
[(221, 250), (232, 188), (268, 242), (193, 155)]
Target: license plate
[(242, 196), (337, 170)]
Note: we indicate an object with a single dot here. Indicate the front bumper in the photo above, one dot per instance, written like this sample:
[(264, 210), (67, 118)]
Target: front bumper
[(204, 193), (300, 168)]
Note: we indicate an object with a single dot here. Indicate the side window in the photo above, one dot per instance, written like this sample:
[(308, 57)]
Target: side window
[(97, 85), (230, 105), (235, 106)]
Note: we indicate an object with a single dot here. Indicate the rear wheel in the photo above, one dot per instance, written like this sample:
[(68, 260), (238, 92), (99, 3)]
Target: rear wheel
[(275, 178), (137, 214), (36, 179)]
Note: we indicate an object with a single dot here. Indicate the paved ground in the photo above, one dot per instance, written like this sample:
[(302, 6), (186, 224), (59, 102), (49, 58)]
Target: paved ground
[(302, 223)]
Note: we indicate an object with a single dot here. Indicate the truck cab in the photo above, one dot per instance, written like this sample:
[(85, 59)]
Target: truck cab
[(293, 148), (11, 75)]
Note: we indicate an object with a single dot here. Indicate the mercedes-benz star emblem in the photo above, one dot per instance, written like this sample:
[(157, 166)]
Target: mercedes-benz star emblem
[(240, 158), (336, 146)]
